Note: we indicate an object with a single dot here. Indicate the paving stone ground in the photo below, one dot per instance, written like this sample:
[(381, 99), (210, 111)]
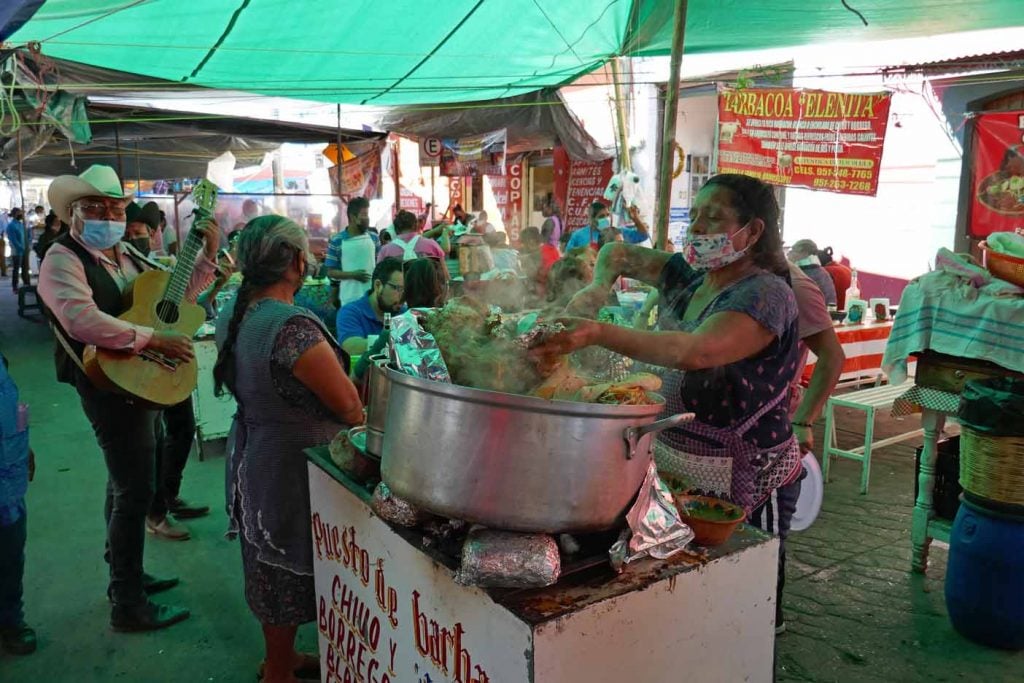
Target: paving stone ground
[(854, 611)]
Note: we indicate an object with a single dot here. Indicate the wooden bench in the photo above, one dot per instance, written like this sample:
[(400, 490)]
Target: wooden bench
[(868, 400)]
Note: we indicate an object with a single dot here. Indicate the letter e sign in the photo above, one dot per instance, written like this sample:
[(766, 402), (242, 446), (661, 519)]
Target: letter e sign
[(430, 152)]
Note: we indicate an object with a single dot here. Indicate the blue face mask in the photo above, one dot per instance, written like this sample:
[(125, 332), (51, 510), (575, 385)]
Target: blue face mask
[(603, 223), (102, 234)]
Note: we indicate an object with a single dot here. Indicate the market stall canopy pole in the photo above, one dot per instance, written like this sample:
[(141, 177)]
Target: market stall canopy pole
[(463, 51), (620, 118), (668, 133)]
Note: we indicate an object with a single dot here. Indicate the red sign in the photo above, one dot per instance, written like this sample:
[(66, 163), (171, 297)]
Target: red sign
[(455, 191), (997, 174), (410, 201), (508, 195), (360, 176), (804, 138), (577, 185)]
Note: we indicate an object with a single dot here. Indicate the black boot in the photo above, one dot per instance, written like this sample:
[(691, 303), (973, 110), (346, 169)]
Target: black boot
[(145, 616)]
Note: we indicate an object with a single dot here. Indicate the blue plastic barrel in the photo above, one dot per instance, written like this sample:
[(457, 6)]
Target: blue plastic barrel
[(985, 577)]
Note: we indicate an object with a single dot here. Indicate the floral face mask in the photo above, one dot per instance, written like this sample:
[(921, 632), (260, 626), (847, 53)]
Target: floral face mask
[(711, 252)]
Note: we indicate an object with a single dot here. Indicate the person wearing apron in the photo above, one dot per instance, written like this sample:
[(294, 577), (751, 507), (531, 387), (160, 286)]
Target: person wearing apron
[(728, 344)]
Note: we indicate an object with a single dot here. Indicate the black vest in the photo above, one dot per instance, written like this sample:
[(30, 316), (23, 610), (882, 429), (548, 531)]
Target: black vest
[(105, 293)]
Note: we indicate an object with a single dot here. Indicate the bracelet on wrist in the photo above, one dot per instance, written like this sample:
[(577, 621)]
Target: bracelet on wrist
[(808, 425)]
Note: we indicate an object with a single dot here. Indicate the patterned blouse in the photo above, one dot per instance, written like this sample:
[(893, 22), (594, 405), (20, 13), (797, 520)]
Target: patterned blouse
[(297, 336), (726, 396)]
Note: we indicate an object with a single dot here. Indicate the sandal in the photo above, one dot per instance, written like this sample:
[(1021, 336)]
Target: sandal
[(308, 669)]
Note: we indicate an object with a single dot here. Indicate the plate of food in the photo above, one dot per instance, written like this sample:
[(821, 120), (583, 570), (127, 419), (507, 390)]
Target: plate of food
[(1003, 191)]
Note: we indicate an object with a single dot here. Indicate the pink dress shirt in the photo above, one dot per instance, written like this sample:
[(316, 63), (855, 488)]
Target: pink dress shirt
[(66, 292)]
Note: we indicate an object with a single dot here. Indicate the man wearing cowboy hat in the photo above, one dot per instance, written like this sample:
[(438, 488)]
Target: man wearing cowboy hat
[(82, 281)]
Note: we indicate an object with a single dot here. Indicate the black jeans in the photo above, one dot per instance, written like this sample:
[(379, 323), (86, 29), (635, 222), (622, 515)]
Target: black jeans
[(12, 570), (774, 517), (125, 433), (175, 432), (18, 266)]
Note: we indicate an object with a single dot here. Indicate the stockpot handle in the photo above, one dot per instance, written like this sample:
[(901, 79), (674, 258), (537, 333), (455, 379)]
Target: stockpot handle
[(632, 435)]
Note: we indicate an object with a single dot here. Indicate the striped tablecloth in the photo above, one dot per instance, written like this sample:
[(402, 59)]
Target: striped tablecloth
[(864, 346)]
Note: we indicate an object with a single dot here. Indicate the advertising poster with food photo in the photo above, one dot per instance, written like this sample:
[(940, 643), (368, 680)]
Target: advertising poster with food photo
[(997, 174), (816, 139)]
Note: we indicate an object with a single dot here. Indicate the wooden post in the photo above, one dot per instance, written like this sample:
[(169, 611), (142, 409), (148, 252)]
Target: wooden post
[(620, 117), (395, 161), (668, 132)]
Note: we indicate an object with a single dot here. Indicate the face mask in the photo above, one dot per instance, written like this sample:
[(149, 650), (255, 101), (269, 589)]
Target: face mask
[(603, 223), (711, 252), (140, 243), (102, 234), (809, 261)]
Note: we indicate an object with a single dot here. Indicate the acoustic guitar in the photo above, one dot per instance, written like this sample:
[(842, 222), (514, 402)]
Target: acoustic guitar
[(158, 301)]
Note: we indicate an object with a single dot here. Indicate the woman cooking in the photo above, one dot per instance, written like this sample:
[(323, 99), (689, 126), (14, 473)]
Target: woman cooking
[(728, 328)]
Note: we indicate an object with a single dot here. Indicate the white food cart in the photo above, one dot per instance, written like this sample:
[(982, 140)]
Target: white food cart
[(389, 608)]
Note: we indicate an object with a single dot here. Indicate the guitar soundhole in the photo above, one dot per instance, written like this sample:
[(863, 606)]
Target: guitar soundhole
[(167, 312)]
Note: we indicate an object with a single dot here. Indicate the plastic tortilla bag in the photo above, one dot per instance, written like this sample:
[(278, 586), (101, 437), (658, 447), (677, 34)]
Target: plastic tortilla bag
[(414, 351), (655, 527)]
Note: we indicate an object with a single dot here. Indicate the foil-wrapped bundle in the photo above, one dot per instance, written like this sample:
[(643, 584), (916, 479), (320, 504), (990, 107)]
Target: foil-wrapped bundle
[(414, 351), (391, 508), (654, 525), (506, 559), (537, 334)]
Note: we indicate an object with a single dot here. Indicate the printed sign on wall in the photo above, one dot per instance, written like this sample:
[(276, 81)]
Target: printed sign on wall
[(997, 174), (816, 139)]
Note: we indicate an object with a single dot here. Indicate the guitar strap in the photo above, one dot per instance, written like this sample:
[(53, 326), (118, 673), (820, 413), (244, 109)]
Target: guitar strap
[(62, 340)]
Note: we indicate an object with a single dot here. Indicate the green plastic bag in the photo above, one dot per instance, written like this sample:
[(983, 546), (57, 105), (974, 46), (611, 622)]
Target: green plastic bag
[(994, 406)]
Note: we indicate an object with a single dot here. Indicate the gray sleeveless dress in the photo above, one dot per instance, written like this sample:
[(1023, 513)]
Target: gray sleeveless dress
[(267, 486)]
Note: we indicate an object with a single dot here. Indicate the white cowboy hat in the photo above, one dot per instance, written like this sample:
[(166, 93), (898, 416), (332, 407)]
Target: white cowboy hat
[(95, 181)]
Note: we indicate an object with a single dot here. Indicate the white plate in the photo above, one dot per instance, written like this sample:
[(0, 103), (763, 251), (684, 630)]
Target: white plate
[(812, 488)]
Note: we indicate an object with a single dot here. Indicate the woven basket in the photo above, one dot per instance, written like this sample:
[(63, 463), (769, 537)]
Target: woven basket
[(992, 467), (1003, 266)]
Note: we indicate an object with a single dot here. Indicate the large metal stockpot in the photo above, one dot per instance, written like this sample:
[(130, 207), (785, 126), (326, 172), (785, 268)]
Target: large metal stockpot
[(515, 462), (377, 404)]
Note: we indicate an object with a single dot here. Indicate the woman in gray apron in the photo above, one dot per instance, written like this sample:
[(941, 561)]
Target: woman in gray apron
[(729, 342)]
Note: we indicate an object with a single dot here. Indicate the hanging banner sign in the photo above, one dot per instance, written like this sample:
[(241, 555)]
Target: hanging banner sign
[(577, 185), (474, 156), (997, 174), (816, 139), (360, 176), (430, 152), (410, 201), (508, 195)]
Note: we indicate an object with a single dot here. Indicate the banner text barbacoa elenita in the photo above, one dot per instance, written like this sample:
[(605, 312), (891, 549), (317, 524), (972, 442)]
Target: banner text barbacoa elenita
[(804, 138)]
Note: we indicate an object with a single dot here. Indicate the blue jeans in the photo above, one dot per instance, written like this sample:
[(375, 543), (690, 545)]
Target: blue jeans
[(774, 516), (12, 569)]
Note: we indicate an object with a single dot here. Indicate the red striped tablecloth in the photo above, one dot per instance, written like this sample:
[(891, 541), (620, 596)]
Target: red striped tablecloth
[(864, 346)]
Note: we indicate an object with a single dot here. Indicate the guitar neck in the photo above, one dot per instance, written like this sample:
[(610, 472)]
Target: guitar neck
[(186, 263)]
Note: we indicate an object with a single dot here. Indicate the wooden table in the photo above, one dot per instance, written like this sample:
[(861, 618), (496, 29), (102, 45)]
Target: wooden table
[(936, 407)]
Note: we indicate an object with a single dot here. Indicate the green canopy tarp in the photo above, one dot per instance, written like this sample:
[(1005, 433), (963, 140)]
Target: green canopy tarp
[(419, 51)]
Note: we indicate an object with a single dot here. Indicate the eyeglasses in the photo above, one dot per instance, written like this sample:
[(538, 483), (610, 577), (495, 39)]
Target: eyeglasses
[(399, 289), (101, 210)]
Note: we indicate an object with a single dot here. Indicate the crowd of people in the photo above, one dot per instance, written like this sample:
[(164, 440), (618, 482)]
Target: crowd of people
[(731, 314)]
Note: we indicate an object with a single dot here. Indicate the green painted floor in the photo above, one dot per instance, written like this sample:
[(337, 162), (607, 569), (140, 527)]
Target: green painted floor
[(854, 612)]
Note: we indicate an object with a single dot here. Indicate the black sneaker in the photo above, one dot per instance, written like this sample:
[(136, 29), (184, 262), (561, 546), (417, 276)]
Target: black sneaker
[(182, 510), (146, 616), (18, 640)]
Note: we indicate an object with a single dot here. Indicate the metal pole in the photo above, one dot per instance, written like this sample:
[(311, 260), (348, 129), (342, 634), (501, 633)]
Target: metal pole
[(117, 143), (620, 117), (138, 169), (27, 239), (340, 171), (668, 132)]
